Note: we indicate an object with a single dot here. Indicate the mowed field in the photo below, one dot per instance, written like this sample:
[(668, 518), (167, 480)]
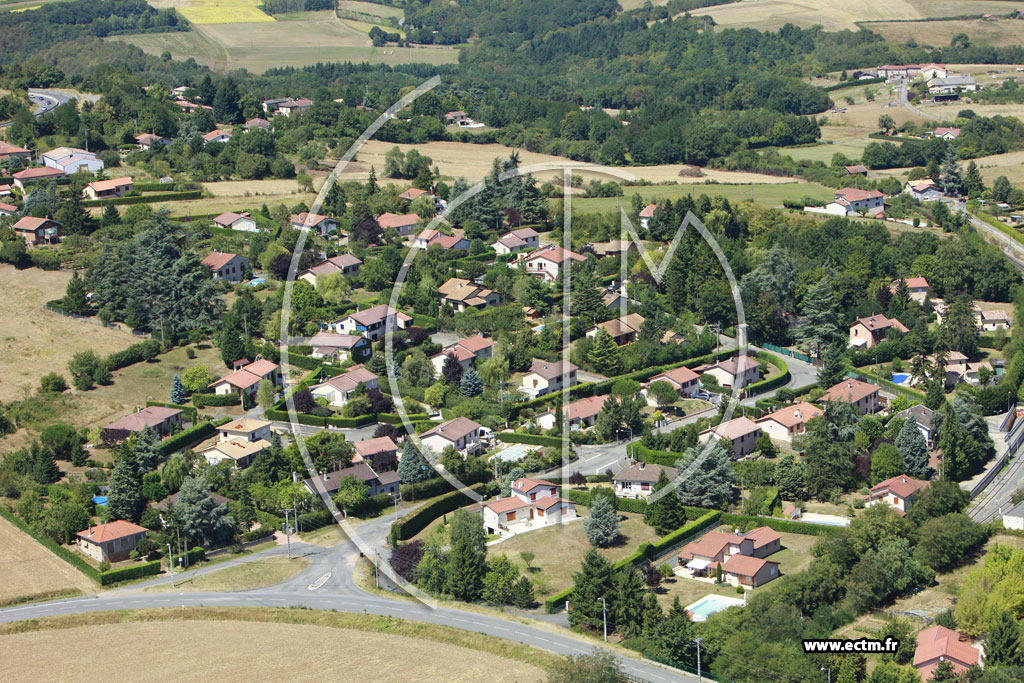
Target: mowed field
[(28, 569), (247, 651), (835, 15), (993, 32), (34, 341), (766, 194)]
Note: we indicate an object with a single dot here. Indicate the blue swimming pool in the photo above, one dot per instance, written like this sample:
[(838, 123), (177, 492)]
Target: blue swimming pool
[(709, 604), (99, 500), (900, 377)]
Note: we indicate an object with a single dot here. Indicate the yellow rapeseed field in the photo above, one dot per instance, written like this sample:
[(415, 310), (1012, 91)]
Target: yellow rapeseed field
[(224, 12)]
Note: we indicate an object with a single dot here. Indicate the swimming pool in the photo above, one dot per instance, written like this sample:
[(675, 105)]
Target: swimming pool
[(99, 500), (514, 452), (711, 603), (900, 377)]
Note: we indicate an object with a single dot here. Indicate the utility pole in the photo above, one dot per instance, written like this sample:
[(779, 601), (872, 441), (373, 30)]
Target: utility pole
[(170, 563), (295, 513), (604, 617), (699, 678), (829, 672), (288, 529)]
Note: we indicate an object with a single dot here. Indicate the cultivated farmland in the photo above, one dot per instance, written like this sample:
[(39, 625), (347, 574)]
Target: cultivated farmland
[(30, 570), (993, 32), (767, 194)]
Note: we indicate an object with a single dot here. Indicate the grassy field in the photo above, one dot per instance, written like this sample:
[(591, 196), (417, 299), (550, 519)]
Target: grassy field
[(835, 15), (255, 574), (251, 188), (233, 203), (772, 195), (29, 570), (35, 342), (994, 32), (261, 644), (370, 8)]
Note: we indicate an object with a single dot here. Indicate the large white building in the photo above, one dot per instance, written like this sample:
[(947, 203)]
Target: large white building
[(72, 160)]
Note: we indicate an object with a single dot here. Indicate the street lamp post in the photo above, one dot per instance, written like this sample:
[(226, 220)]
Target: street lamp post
[(828, 671), (699, 677), (604, 617)]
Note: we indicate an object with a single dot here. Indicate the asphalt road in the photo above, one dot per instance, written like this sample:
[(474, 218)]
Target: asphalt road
[(906, 103), (44, 101)]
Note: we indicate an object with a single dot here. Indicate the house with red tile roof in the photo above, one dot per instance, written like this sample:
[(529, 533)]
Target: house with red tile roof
[(700, 558), (545, 377), (225, 266), (684, 380), (38, 231), (149, 140), (646, 214), (940, 644), (741, 556), (162, 421), (373, 322), (317, 223), (217, 135), (461, 433), (7, 209), (748, 572), (734, 373), (338, 347), (229, 220), (245, 380), (547, 262), (515, 241), (110, 542), (871, 331), (862, 395), (532, 504), (897, 492), (413, 193), (462, 295), (7, 150), (22, 179), (346, 264), (338, 390), (404, 224), (739, 434), (850, 201), (108, 189), (917, 286), (465, 351), (580, 414), (430, 237), (856, 170), (370, 448), (784, 424), (946, 133)]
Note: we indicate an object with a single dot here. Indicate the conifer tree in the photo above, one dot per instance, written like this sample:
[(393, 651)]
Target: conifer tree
[(912, 446), (602, 526), (74, 300), (604, 354), (629, 605), (595, 580), (467, 560), (124, 497), (471, 384), (177, 391), (44, 466), (1003, 645)]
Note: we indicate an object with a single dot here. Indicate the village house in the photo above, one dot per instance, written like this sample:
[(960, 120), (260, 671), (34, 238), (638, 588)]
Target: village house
[(955, 366), (8, 151), (172, 500), (413, 193), (940, 644), (257, 123), (624, 330), (922, 415), (533, 504), (581, 414), (111, 542), (191, 107), (612, 297), (638, 480), (545, 377), (784, 424), (455, 117), (465, 351), (851, 201), (734, 373), (685, 381), (338, 390), (366, 451), (463, 295), (856, 170), (924, 190), (404, 224), (7, 209), (700, 558), (429, 237), (5, 190), (237, 451), (739, 434), (296, 106), (225, 266), (869, 332), (378, 483), (246, 429), (951, 85), (320, 225), (862, 395), (461, 433), (147, 141), (373, 322), (108, 189), (513, 242), (338, 347), (346, 264), (646, 214), (946, 133), (217, 136), (245, 380), (916, 286), (740, 556), (38, 231), (229, 220), (745, 571), (929, 70), (897, 492), (72, 160), (990, 321), (612, 248), (161, 421), (547, 262), (22, 179)]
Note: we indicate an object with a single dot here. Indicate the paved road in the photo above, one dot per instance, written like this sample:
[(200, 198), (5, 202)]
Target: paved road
[(45, 101), (906, 103)]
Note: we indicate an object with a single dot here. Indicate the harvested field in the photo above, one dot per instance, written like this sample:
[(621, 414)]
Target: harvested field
[(771, 195), (29, 570), (232, 203), (246, 188), (152, 650), (993, 32), (370, 8), (35, 341)]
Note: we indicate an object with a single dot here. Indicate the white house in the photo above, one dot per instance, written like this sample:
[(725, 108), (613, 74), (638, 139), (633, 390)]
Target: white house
[(338, 390), (229, 220), (548, 261), (246, 428), (462, 295), (784, 424), (922, 415), (951, 85), (404, 224), (523, 239), (685, 381), (646, 214), (850, 201), (465, 351), (580, 414), (533, 504), (862, 395), (736, 372), (338, 347), (346, 264), (428, 237), (225, 266), (217, 136), (1014, 517), (924, 190), (739, 433), (72, 160), (321, 225), (946, 133), (545, 377), (897, 492), (238, 451), (638, 479), (373, 322), (245, 380), (461, 433), (871, 331)]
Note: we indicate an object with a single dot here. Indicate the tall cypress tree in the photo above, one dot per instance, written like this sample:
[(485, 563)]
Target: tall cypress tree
[(594, 580), (124, 498), (629, 602), (667, 513), (820, 324), (177, 391), (912, 446), (74, 300), (467, 560), (44, 466), (232, 345)]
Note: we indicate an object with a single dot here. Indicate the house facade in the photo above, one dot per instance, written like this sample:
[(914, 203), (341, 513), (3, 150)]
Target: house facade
[(346, 264), (923, 190), (110, 542), (38, 231), (373, 322), (23, 179), (162, 421), (547, 262), (736, 372), (339, 347), (740, 435), (465, 351), (580, 414), (230, 220), (741, 557), (862, 395), (366, 451), (330, 482), (338, 390), (638, 480), (515, 241), (463, 295), (108, 189), (72, 160), (685, 381), (238, 451), (246, 429), (545, 377), (225, 266), (784, 424), (461, 433), (321, 225), (533, 504), (245, 380), (623, 331), (897, 492), (851, 201), (870, 332), (404, 224)]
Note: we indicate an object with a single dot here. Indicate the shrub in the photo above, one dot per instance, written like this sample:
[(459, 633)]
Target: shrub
[(53, 383), (109, 576)]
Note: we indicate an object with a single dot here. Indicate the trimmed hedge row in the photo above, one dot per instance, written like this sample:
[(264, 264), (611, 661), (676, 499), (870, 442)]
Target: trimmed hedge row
[(75, 560), (145, 199), (853, 83), (190, 412), (532, 439), (778, 380), (204, 400), (635, 505), (438, 485), (304, 362), (136, 353), (317, 421), (407, 527), (645, 454), (190, 557), (393, 419), (128, 573), (203, 430), (781, 525)]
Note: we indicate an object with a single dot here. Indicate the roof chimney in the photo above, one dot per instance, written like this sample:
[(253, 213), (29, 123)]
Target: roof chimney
[(797, 414), (904, 479)]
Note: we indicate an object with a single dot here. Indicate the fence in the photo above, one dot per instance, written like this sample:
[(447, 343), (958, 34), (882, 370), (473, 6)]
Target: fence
[(787, 352), (94, 321)]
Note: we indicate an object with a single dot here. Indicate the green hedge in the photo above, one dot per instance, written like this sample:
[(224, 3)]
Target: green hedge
[(191, 557), (635, 505), (69, 556), (190, 412), (532, 439), (912, 394), (128, 573), (304, 362), (778, 380), (393, 419), (782, 525), (555, 602), (853, 83), (136, 353), (665, 543), (202, 400), (203, 430), (645, 454), (407, 527), (439, 485), (145, 199), (350, 422)]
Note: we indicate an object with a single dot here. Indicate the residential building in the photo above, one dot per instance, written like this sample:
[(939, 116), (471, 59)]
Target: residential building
[(515, 241), (374, 322), (940, 644), (646, 214), (245, 380), (238, 451), (946, 133), (148, 141), (862, 395), (465, 351), (916, 286), (990, 321), (8, 151), (736, 372), (897, 492), (229, 220), (217, 135), (532, 504), (160, 420), (72, 160), (455, 117), (956, 366), (5, 190), (108, 189), (740, 435), (330, 482), (296, 106), (413, 193), (922, 415), (7, 209), (741, 557), (38, 231), (784, 424), (856, 170), (111, 542), (172, 500), (22, 179), (463, 295), (624, 330), (338, 390), (930, 70), (547, 262), (320, 225), (1014, 517), (869, 332), (366, 451), (580, 414), (225, 266), (951, 85), (346, 264), (701, 557), (253, 124), (404, 224), (461, 433), (429, 237), (545, 377), (684, 380), (246, 429), (638, 480), (766, 541), (613, 298), (339, 347), (851, 201), (924, 190), (749, 572)]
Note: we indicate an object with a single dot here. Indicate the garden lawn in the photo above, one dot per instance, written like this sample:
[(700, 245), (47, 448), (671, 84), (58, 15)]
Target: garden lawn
[(259, 573)]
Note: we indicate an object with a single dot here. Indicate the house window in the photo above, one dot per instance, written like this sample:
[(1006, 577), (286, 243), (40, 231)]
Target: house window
[(645, 486), (533, 496), (510, 516), (540, 513)]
